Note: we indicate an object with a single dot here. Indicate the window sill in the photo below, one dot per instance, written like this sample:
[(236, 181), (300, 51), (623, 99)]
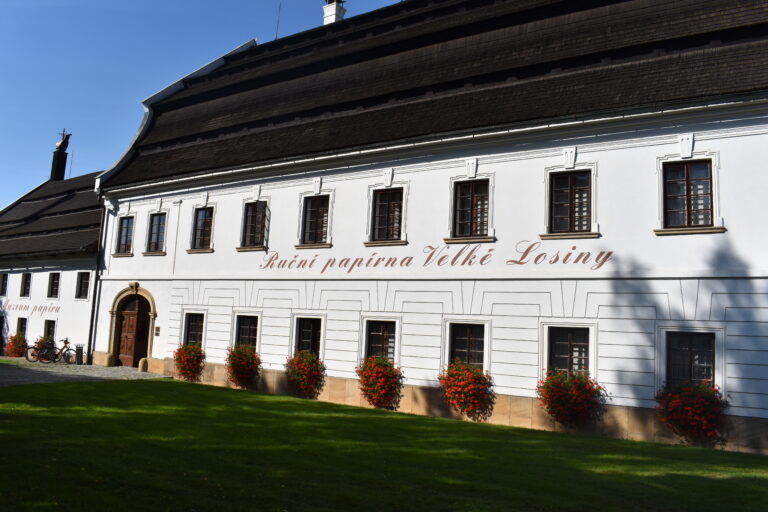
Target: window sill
[(153, 253), (252, 248), (470, 240), (571, 235), (313, 246), (199, 251), (122, 255), (383, 243), (689, 231)]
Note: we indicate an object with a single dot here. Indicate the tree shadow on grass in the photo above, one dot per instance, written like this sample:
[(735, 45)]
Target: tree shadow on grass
[(172, 446)]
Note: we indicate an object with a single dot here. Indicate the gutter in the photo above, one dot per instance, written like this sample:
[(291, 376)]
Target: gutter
[(96, 300)]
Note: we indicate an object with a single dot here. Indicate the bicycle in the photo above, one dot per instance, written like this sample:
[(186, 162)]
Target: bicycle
[(48, 353)]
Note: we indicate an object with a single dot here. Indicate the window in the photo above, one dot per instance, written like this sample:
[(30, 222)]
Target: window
[(570, 202), (156, 235), (26, 284), (83, 283), (687, 194), (315, 224), (470, 209), (308, 335), (54, 278), (3, 285), (193, 332), (380, 339), (569, 349), (21, 327), (690, 357), (467, 343), (201, 235), (125, 236), (247, 329), (50, 329), (255, 224), (387, 214)]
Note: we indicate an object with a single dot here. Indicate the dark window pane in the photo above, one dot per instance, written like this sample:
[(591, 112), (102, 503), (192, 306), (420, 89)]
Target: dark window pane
[(690, 357), (687, 194), (3, 285), (83, 282), (125, 235), (255, 224), (569, 349), (50, 329), (156, 236), (53, 284), (570, 207), (315, 225), (471, 208), (194, 328), (308, 335), (247, 330), (467, 343), (381, 339), (26, 284), (202, 228), (387, 208), (21, 327)]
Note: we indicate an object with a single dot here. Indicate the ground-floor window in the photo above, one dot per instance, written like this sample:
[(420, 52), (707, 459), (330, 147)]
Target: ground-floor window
[(193, 332), (467, 343), (569, 349), (690, 357), (308, 335), (247, 330), (21, 327), (50, 329), (380, 339)]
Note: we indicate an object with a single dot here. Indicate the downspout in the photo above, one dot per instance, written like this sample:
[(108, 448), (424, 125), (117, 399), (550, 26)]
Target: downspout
[(96, 285)]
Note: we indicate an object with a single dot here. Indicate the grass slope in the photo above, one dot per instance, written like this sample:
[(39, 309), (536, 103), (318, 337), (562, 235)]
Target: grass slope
[(161, 445)]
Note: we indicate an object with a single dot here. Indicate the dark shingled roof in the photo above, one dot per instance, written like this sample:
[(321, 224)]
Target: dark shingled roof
[(424, 67), (58, 218)]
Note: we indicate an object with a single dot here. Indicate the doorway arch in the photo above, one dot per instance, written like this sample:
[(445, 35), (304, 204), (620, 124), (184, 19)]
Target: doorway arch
[(132, 326)]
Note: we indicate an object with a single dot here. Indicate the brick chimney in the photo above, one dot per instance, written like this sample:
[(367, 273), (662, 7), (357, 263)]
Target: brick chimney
[(333, 11)]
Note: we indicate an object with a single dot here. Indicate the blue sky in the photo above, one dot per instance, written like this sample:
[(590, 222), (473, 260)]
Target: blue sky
[(85, 65)]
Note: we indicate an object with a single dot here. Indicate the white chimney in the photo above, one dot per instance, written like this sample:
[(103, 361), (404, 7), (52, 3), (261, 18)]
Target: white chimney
[(333, 10)]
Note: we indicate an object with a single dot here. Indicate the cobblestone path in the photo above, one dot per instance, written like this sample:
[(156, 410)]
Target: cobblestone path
[(15, 371)]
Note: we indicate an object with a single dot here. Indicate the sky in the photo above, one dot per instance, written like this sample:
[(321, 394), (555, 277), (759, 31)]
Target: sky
[(86, 65)]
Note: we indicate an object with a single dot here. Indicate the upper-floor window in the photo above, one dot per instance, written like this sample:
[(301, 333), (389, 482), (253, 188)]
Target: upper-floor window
[(247, 330), (570, 203), (255, 224), (83, 283), (380, 339), (569, 349), (26, 284), (3, 285), (201, 233), (470, 208), (687, 194), (315, 222), (308, 335), (690, 357), (467, 343), (125, 235), (156, 234), (193, 331), (54, 279), (387, 214)]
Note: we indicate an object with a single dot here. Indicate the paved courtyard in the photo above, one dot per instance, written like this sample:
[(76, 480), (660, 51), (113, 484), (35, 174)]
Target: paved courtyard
[(14, 372)]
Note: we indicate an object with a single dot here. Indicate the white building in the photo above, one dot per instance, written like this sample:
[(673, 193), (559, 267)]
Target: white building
[(525, 188)]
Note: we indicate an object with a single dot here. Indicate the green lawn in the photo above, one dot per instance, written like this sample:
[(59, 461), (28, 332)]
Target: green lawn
[(164, 445)]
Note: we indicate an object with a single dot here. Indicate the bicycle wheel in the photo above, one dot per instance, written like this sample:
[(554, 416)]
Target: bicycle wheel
[(31, 354), (45, 356), (68, 356)]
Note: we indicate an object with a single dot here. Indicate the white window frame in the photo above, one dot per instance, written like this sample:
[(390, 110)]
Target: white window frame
[(578, 167), (544, 326), (238, 312), (295, 315), (480, 176), (714, 158), (372, 189), (331, 193), (365, 317), (445, 346), (665, 326), (198, 311)]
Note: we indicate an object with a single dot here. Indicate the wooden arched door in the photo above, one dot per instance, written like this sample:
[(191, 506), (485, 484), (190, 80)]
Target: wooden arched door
[(133, 330)]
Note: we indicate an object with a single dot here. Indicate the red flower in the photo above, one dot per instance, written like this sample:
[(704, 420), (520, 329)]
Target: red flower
[(695, 412), (306, 372), (467, 390), (15, 346), (571, 399), (190, 360), (243, 365), (380, 382)]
